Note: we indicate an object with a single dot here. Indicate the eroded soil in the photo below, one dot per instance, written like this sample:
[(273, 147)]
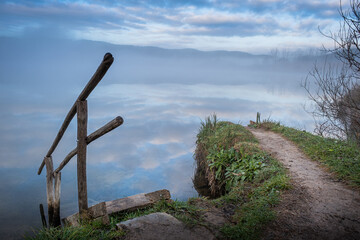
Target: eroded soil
[(318, 206)]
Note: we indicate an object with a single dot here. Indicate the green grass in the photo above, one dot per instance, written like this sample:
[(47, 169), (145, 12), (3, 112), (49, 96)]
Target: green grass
[(252, 180), (341, 157), (222, 134), (92, 230), (255, 200), (185, 212), (224, 151)]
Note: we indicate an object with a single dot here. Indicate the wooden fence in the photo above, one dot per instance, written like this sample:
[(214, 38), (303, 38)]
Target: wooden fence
[(53, 178)]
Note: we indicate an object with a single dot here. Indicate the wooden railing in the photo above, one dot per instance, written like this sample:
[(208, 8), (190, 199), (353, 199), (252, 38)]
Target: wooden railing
[(53, 178)]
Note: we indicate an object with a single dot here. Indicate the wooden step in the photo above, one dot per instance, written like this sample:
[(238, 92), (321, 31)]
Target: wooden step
[(102, 210)]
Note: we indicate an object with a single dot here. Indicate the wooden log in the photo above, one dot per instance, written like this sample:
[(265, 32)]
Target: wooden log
[(81, 155), (66, 160), (50, 189), (105, 129), (95, 79), (93, 136), (42, 214), (104, 209), (95, 212), (137, 201), (57, 191)]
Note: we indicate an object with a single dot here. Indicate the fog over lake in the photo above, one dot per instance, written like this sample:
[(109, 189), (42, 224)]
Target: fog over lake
[(162, 94)]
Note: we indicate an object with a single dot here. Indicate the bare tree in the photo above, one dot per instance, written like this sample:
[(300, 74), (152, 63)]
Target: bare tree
[(336, 89)]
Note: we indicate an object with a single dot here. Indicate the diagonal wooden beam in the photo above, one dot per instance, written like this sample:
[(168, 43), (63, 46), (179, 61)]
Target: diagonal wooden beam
[(95, 79), (93, 136)]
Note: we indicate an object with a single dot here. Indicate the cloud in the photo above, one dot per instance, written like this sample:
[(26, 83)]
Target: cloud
[(206, 25)]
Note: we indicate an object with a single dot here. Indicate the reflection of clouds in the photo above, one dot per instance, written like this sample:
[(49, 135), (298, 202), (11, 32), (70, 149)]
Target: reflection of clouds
[(194, 102), (164, 116), (179, 176), (153, 156)]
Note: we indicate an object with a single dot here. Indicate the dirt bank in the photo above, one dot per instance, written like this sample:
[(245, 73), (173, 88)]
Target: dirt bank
[(318, 206)]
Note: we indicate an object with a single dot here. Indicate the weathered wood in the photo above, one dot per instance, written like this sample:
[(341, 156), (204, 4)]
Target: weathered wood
[(42, 214), (66, 160), (50, 189), (105, 129), (57, 192), (81, 155), (95, 79), (93, 136), (95, 212), (137, 201), (103, 209)]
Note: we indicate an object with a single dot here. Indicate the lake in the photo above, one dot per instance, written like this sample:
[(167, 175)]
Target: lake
[(162, 94)]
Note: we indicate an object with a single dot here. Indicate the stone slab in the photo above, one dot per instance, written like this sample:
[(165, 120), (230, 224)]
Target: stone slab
[(162, 226)]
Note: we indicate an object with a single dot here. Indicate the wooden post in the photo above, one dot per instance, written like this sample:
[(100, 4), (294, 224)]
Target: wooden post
[(257, 118), (57, 191), (81, 156), (42, 214), (50, 189)]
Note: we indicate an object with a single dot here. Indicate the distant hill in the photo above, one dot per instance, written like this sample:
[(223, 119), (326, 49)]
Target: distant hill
[(56, 62)]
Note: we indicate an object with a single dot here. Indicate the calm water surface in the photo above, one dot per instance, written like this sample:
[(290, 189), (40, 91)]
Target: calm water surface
[(162, 99)]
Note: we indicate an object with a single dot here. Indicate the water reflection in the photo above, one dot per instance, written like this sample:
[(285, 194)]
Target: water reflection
[(153, 149)]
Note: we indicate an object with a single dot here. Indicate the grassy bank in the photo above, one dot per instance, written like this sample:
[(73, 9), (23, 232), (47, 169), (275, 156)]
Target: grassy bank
[(238, 176), (341, 157), (229, 157)]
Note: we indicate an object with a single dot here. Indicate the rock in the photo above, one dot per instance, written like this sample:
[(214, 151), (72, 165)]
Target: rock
[(162, 226)]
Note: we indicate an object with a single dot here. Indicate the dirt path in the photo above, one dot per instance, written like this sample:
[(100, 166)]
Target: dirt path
[(318, 207)]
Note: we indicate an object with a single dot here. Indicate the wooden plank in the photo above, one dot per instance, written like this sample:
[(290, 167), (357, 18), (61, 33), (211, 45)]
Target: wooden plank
[(95, 79), (128, 203), (158, 195), (137, 201), (57, 191), (42, 214), (50, 189), (103, 209), (95, 212), (93, 136), (81, 155)]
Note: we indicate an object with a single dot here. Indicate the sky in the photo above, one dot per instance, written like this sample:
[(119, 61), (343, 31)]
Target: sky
[(256, 26)]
